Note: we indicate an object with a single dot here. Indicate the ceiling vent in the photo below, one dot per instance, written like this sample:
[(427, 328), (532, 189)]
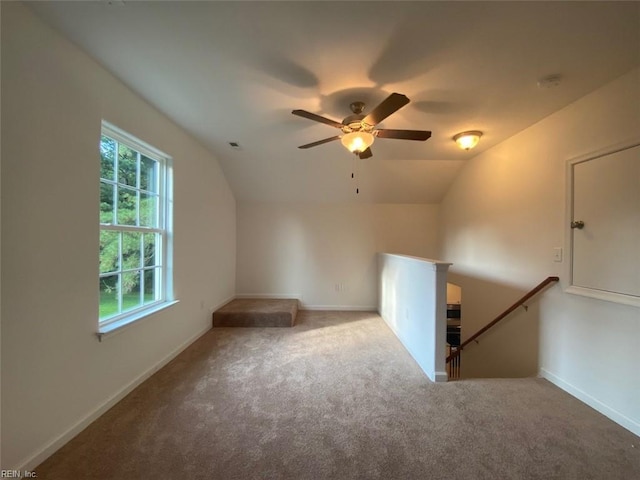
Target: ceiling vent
[(550, 81)]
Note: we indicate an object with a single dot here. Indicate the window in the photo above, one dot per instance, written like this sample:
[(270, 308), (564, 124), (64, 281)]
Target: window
[(134, 229)]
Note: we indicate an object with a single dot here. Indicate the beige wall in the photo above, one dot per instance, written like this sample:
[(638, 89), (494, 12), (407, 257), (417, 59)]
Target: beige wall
[(55, 373), (501, 220), (306, 249), (454, 293)]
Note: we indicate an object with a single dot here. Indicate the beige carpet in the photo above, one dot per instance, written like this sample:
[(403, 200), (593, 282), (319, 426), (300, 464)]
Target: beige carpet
[(337, 397)]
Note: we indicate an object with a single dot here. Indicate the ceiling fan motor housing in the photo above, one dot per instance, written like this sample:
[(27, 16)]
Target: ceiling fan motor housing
[(354, 123), (357, 107)]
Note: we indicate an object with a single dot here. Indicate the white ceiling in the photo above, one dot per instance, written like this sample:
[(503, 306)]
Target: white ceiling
[(233, 71)]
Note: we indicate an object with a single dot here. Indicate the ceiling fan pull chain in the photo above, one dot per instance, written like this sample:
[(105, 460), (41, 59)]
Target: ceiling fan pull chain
[(354, 166)]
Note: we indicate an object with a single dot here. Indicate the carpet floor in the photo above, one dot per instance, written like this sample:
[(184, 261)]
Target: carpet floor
[(337, 397)]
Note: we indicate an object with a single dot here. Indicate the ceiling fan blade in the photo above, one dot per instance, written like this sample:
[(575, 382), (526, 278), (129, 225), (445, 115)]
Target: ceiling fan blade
[(389, 105), (317, 118), (320, 142), (366, 153), (420, 135)]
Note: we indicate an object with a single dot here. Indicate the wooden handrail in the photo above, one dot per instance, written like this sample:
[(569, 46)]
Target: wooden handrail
[(526, 297)]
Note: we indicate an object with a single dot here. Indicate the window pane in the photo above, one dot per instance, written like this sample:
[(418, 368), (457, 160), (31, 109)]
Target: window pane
[(148, 174), (151, 250), (151, 285), (109, 296), (106, 203), (127, 199), (132, 205), (131, 246), (107, 158), (127, 165), (131, 290), (148, 210), (109, 251)]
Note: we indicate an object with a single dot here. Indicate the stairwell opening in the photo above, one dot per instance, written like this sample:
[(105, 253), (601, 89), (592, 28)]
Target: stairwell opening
[(454, 327)]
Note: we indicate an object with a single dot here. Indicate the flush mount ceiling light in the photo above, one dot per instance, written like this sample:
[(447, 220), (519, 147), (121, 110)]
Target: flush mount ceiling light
[(468, 140), (357, 142)]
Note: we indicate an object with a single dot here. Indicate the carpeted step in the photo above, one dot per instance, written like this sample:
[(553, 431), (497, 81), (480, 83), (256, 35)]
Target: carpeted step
[(257, 312)]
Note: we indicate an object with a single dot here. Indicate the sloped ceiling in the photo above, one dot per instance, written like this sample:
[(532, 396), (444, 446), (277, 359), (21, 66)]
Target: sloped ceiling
[(233, 71)]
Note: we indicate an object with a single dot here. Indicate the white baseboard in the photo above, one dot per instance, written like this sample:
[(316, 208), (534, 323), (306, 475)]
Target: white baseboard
[(296, 296), (441, 377), (340, 308), (41, 455), (593, 402), (222, 303), (306, 306)]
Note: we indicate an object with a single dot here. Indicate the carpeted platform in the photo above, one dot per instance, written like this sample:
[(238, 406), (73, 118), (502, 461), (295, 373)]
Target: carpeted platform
[(257, 312)]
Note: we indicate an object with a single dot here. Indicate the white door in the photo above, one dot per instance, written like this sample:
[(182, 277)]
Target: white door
[(606, 198)]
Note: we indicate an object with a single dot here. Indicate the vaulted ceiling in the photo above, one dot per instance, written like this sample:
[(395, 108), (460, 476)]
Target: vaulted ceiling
[(233, 71)]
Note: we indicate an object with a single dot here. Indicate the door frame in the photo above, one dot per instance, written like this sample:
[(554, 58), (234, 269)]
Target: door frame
[(568, 237)]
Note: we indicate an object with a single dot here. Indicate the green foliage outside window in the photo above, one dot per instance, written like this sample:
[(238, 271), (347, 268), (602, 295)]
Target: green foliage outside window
[(128, 259)]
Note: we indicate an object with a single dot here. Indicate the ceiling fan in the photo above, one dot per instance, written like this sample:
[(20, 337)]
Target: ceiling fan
[(359, 130)]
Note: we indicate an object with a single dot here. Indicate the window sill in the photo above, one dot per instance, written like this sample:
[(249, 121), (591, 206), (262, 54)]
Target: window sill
[(615, 297), (110, 329)]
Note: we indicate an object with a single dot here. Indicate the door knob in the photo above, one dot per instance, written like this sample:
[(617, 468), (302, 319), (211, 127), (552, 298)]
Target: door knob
[(579, 224)]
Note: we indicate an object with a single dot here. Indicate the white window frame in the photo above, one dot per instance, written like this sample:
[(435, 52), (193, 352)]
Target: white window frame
[(609, 296), (164, 229)]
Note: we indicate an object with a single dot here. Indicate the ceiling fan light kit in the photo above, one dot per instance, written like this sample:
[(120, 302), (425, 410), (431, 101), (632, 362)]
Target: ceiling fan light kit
[(468, 140), (357, 142)]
